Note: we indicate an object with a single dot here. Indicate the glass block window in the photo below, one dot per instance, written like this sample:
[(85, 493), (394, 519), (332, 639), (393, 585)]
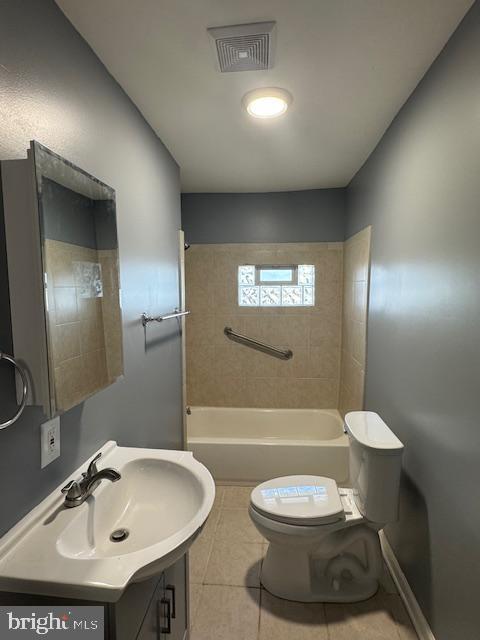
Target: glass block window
[(276, 286), (270, 296), (306, 274), (246, 274), (275, 274), (248, 296), (292, 296)]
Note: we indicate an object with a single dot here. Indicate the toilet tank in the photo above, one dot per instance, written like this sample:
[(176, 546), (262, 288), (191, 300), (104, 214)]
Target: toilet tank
[(375, 464)]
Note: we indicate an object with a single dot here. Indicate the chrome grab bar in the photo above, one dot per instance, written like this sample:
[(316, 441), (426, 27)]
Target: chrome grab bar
[(23, 375), (176, 314), (282, 354)]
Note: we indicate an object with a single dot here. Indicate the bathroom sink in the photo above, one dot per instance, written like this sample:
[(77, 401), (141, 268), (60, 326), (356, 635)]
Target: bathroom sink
[(124, 532)]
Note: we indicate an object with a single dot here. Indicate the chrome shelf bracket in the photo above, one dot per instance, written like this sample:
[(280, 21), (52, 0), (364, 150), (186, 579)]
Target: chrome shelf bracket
[(175, 314)]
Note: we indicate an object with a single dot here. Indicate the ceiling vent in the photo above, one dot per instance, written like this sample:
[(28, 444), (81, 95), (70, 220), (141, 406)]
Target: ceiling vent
[(244, 47)]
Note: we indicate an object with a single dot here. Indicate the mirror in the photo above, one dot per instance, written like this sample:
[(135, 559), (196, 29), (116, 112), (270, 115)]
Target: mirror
[(79, 249)]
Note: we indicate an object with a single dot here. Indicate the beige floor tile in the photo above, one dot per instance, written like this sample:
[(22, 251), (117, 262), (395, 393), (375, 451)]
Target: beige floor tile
[(235, 525), (397, 609), (236, 564), (237, 497), (284, 620), (195, 595), (199, 555), (210, 526), (219, 493), (369, 620), (227, 613)]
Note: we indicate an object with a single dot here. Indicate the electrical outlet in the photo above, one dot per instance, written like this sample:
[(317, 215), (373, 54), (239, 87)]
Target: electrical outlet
[(50, 441)]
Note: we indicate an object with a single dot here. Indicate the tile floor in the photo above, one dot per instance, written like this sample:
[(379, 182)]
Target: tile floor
[(228, 603)]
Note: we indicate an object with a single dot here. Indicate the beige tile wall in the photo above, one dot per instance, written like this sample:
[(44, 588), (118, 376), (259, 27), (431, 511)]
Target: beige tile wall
[(356, 275), (223, 373), (111, 313), (85, 333)]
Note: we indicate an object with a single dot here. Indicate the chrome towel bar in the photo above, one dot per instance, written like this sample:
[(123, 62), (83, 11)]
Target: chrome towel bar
[(23, 375), (176, 314), (282, 354)]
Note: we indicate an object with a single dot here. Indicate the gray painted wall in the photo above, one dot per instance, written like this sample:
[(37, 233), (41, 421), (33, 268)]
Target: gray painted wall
[(54, 89), (289, 216), (421, 192), (71, 217)]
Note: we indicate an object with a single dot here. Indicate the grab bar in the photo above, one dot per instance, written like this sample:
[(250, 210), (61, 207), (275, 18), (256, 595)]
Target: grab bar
[(176, 314), (23, 375), (282, 354)]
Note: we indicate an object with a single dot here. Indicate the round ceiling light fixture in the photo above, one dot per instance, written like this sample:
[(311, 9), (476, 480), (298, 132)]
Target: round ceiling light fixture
[(270, 102)]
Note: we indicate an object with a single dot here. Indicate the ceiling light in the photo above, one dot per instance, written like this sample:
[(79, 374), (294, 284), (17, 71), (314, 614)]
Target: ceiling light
[(267, 103)]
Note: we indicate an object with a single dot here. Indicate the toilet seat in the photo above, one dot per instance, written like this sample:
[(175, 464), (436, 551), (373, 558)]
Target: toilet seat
[(299, 500)]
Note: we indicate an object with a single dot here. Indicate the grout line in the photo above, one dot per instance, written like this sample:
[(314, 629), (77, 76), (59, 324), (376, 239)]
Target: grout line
[(327, 629), (220, 506), (214, 532), (208, 560), (260, 599), (233, 586), (227, 586)]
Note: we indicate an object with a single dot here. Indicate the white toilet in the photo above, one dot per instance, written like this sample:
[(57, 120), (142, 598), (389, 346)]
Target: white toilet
[(324, 544)]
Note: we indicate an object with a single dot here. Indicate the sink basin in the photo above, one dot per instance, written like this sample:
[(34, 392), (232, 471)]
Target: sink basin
[(125, 532)]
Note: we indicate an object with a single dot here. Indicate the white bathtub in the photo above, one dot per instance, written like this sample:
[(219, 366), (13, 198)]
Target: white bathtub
[(252, 445)]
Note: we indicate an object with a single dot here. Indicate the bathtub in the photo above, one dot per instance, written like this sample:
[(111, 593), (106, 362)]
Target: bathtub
[(252, 445)]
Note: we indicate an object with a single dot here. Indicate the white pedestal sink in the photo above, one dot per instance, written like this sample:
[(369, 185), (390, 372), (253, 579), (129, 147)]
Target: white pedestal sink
[(161, 502)]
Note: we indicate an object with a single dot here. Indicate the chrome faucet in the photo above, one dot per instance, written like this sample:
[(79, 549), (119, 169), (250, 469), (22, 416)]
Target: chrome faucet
[(76, 492)]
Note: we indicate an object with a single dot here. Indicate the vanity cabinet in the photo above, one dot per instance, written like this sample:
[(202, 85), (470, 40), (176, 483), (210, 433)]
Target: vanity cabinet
[(175, 586), (152, 610), (166, 614), (155, 609)]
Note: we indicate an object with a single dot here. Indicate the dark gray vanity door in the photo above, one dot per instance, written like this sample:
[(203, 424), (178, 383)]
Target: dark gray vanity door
[(166, 617), (128, 614), (156, 617), (175, 591)]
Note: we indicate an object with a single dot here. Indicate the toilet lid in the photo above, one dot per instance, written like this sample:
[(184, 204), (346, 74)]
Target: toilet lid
[(303, 500)]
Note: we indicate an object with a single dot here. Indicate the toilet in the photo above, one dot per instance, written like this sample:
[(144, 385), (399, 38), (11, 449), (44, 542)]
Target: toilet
[(323, 539)]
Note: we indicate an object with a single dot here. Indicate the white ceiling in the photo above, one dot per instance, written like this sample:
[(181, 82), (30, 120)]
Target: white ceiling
[(350, 65)]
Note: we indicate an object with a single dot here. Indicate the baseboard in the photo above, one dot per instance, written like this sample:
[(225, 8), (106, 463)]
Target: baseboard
[(413, 608)]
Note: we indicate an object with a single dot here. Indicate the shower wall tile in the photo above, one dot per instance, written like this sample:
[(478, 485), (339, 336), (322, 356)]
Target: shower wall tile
[(201, 329), (66, 342), (227, 361), (307, 393), (224, 373), (261, 392), (85, 332), (65, 305), (354, 329)]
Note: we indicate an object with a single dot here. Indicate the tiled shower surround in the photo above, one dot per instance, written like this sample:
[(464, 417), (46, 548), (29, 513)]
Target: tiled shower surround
[(84, 329), (224, 373), (356, 271)]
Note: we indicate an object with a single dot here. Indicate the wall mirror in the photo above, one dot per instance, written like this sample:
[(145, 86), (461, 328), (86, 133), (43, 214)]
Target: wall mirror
[(74, 219)]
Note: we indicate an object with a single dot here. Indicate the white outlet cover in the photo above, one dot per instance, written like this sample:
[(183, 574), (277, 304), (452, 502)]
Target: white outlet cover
[(49, 441)]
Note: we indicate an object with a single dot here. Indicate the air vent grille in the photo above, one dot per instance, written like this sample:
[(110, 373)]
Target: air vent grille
[(244, 47)]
